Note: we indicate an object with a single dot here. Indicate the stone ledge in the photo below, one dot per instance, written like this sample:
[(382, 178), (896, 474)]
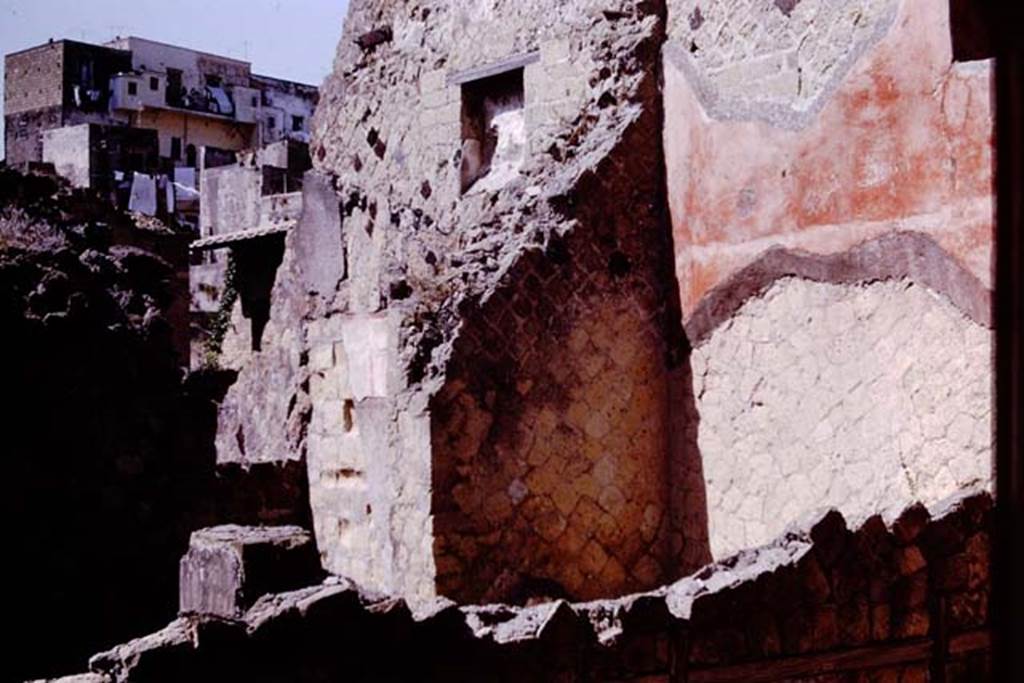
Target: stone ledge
[(228, 568), (818, 564)]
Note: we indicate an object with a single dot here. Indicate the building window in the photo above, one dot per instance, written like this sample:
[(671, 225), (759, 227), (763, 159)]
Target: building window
[(493, 130), (213, 81), (191, 156), (175, 90), (255, 101), (271, 123), (298, 123), (133, 88), (154, 83), (176, 149)]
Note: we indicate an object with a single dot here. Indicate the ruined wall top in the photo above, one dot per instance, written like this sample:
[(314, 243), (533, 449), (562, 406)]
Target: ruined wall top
[(393, 123)]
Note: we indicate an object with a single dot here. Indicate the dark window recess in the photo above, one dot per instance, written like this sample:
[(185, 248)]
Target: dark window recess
[(271, 123), (971, 32), (154, 83), (133, 88), (175, 92), (256, 266), (213, 81), (298, 123), (191, 156), (176, 149), (492, 108), (255, 101)]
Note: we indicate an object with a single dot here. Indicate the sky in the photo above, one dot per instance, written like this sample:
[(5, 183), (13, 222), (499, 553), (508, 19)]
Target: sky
[(291, 39)]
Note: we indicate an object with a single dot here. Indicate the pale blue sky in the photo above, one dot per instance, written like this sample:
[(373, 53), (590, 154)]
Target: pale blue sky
[(293, 39)]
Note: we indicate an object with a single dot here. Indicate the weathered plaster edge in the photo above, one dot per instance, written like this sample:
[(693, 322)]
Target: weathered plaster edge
[(778, 115), (895, 256)]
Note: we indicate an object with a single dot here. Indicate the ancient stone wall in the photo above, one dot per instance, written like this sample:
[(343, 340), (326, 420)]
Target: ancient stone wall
[(860, 397), (551, 435), (854, 369), (826, 603), (418, 254), (468, 430), (867, 142)]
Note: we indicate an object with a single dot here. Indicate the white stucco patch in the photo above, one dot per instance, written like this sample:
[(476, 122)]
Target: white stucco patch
[(865, 398)]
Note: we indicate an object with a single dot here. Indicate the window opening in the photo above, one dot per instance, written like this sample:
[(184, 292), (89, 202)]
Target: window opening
[(493, 131)]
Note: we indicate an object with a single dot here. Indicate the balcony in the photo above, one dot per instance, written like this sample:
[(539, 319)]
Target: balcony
[(208, 100)]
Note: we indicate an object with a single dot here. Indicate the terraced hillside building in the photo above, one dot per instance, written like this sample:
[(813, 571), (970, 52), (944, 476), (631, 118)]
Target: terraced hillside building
[(141, 105)]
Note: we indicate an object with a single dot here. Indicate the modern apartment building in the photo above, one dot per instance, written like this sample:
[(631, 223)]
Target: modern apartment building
[(142, 106)]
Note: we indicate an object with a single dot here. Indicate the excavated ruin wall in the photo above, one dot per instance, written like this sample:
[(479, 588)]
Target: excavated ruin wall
[(392, 336), (858, 374), (552, 433), (826, 603), (865, 141), (423, 363), (863, 397)]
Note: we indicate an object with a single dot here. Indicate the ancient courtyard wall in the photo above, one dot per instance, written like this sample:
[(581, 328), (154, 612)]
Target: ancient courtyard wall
[(829, 177), (878, 129), (414, 431), (552, 432), (835, 386), (487, 375)]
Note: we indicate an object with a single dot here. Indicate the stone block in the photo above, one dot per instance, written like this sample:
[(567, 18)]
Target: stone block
[(319, 249), (367, 347), (321, 357), (227, 568), (554, 51)]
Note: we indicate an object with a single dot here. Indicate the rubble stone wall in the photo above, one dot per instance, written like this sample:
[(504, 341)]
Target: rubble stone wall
[(825, 603), (416, 256), (864, 397)]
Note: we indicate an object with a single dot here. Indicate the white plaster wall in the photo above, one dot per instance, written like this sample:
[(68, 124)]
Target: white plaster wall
[(283, 106), (861, 397), (68, 150)]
